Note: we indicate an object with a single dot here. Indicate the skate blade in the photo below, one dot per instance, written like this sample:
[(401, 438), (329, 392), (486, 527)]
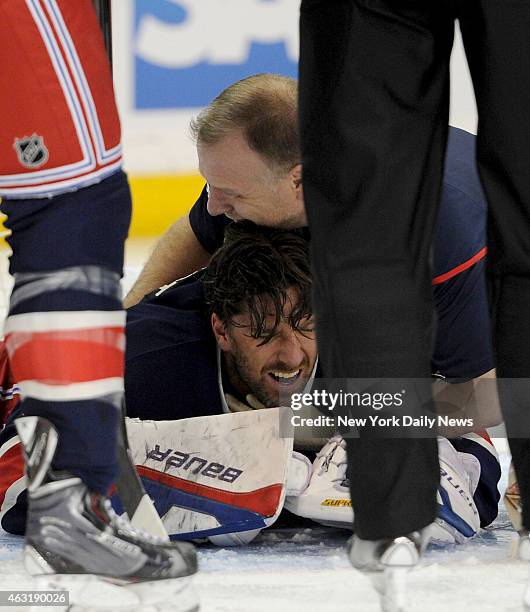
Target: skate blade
[(526, 595), (391, 586), (526, 598), (394, 596), (89, 593)]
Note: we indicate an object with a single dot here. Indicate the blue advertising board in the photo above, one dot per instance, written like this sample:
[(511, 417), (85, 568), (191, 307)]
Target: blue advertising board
[(187, 51)]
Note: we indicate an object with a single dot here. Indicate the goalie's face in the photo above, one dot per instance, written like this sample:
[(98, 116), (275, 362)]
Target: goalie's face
[(273, 369)]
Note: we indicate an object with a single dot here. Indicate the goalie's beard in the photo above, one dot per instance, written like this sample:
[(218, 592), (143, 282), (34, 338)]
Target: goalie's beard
[(241, 376)]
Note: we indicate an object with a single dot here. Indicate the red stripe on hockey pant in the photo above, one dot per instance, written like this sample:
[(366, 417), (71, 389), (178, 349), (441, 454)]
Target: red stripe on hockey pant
[(11, 469), (263, 501), (67, 357)]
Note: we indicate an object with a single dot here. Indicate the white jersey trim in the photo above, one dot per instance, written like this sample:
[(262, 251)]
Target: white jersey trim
[(61, 321), (71, 392), (63, 186)]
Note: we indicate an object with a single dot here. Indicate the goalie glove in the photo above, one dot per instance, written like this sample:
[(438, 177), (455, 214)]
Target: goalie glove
[(326, 500)]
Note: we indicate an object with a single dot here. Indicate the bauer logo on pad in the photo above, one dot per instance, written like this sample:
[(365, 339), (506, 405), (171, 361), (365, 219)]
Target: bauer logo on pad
[(31, 151), (186, 461), (197, 490)]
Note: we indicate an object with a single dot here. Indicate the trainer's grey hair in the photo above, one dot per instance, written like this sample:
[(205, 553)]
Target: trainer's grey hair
[(265, 108)]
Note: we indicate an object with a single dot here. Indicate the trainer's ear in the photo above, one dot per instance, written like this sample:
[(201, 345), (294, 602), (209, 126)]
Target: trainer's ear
[(296, 178), (220, 333)]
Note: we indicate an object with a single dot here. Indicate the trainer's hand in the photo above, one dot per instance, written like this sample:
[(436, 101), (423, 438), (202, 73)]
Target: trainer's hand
[(236, 405)]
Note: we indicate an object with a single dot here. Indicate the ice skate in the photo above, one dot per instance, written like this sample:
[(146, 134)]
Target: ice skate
[(387, 563), (75, 542)]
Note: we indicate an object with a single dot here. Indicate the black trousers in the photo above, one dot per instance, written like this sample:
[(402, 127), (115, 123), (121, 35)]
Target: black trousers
[(374, 97)]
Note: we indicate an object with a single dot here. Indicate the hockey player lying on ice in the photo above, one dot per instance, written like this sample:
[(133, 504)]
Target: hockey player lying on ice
[(221, 342)]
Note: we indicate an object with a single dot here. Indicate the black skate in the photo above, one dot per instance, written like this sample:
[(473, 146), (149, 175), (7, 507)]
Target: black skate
[(75, 541)]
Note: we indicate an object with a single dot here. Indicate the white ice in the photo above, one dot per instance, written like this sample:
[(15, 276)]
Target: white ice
[(307, 570)]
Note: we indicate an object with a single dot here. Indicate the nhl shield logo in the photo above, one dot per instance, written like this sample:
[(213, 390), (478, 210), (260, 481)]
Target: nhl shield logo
[(31, 151)]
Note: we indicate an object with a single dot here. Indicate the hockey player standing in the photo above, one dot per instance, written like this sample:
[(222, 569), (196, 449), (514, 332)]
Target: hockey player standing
[(68, 206)]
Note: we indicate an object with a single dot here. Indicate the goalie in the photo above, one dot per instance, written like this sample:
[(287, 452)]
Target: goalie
[(206, 351)]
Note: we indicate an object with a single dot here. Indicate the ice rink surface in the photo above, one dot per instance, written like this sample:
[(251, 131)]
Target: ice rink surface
[(306, 570)]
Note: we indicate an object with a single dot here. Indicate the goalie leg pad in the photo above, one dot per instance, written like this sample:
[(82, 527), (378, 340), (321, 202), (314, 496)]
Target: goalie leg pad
[(216, 475), (458, 518), (479, 448)]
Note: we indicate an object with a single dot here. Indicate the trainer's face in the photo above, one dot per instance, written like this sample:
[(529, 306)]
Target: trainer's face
[(271, 371), (242, 185)]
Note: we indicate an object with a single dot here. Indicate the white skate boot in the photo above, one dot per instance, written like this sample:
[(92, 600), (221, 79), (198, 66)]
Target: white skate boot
[(387, 562)]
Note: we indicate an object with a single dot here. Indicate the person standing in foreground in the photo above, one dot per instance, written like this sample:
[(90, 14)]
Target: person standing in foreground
[(61, 178), (374, 85)]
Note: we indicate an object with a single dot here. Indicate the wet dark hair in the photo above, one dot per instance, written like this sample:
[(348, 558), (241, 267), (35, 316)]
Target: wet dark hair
[(253, 271)]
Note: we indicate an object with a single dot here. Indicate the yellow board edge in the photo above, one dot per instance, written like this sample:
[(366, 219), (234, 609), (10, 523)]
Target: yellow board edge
[(159, 200)]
